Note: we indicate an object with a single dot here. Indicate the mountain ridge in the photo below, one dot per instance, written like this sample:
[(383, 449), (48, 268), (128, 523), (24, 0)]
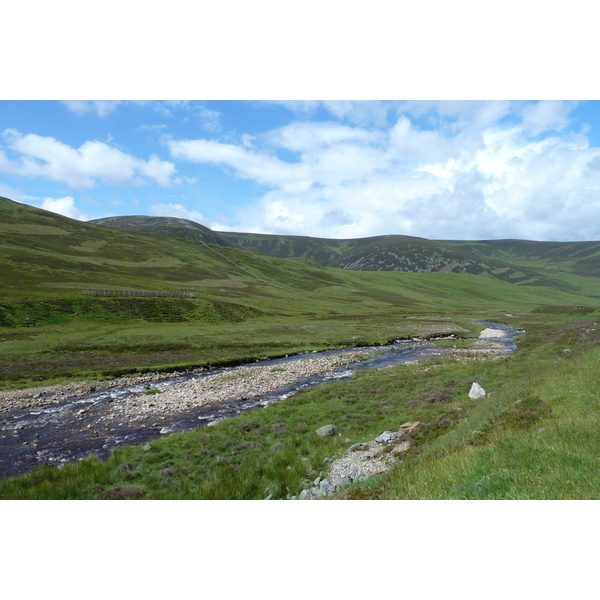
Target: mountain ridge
[(181, 252), (522, 262), (165, 227)]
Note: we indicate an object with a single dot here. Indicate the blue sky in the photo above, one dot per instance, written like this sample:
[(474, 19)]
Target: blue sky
[(339, 169)]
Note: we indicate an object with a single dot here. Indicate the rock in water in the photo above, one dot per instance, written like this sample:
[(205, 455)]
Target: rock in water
[(326, 430), (476, 392)]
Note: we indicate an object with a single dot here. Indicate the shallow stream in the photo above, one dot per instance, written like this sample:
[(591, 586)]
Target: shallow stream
[(71, 428)]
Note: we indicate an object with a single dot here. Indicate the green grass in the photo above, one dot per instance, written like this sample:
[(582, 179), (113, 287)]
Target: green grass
[(534, 436), (60, 337)]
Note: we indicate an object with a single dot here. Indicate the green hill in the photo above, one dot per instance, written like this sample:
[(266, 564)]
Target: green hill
[(581, 258), (521, 262), (163, 303), (79, 300), (567, 265), (165, 227), (41, 251)]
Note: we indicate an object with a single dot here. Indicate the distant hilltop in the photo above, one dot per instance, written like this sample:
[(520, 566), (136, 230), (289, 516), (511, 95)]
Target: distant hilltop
[(165, 227), (520, 262)]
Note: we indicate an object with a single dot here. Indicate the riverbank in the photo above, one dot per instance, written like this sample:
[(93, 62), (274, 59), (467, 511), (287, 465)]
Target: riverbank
[(66, 423), (533, 435), (176, 391), (200, 391)]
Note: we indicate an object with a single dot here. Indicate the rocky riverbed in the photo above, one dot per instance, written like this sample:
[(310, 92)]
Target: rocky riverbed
[(61, 423), (167, 393)]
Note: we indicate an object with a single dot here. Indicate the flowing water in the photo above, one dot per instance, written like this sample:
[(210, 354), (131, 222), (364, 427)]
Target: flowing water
[(72, 428)]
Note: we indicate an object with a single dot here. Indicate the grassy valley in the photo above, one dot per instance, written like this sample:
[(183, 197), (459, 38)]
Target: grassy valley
[(158, 301)]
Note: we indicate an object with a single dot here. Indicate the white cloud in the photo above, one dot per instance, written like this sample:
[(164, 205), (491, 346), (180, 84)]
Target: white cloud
[(64, 206), (308, 137), (247, 164), (455, 170), (81, 167), (546, 115), (102, 108)]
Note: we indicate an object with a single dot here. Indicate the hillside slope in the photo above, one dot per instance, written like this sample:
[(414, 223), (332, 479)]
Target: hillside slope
[(165, 227), (237, 305), (568, 265), (40, 251), (395, 253), (582, 258), (521, 262)]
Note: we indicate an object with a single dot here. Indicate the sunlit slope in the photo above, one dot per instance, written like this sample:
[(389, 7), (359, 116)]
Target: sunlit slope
[(521, 262), (580, 258), (40, 251), (222, 304), (320, 250), (418, 255)]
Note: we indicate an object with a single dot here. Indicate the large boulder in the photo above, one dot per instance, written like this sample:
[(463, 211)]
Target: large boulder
[(476, 392), (326, 430)]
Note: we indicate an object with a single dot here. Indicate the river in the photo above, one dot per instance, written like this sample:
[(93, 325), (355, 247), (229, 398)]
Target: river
[(58, 427)]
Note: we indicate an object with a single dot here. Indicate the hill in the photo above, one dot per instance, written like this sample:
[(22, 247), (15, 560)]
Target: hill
[(567, 265), (534, 435), (521, 262), (41, 251), (582, 258), (165, 227), (80, 300)]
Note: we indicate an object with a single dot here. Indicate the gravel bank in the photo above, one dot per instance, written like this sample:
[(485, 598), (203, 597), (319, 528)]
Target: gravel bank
[(240, 382)]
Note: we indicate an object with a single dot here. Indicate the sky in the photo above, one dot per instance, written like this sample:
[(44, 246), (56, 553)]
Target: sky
[(330, 169)]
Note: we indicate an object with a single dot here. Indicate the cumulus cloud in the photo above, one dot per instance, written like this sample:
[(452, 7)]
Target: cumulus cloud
[(476, 170), (263, 168), (339, 217), (64, 206), (546, 115), (83, 167)]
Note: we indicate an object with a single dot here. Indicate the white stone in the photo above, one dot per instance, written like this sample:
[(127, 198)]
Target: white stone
[(326, 430), (490, 333), (476, 392)]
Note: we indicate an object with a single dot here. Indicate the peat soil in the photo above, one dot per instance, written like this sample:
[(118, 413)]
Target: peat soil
[(62, 428)]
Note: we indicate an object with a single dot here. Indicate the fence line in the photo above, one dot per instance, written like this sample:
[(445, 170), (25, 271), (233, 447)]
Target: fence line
[(138, 294)]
